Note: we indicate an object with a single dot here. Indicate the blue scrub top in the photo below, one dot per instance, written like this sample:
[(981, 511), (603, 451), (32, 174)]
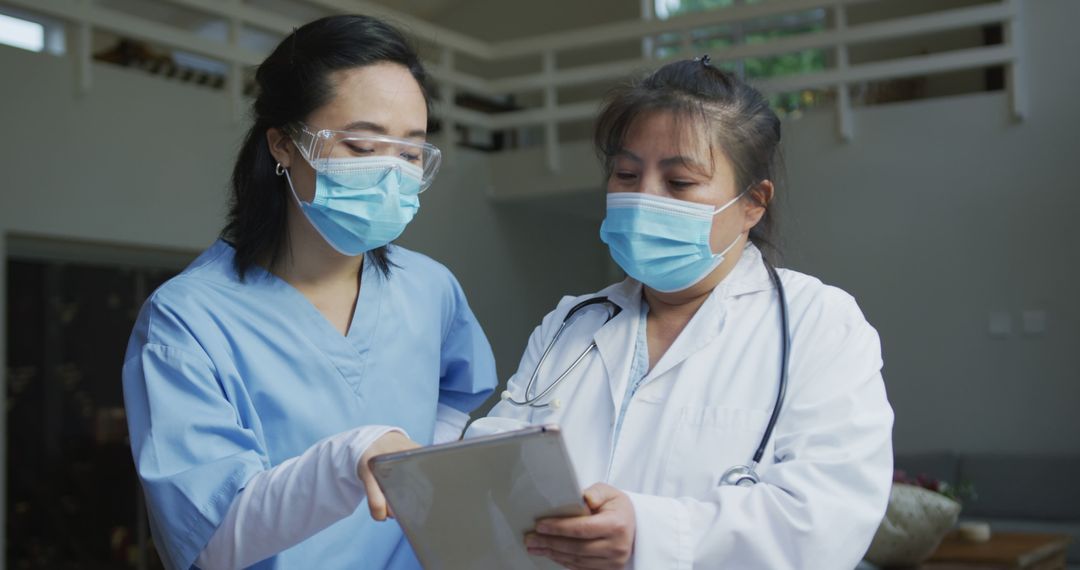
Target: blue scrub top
[(223, 379)]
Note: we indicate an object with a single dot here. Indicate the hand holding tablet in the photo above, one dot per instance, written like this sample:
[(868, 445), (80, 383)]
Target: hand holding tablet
[(469, 504)]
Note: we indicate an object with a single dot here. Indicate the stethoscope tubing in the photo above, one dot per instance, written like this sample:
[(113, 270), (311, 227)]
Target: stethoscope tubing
[(785, 355)]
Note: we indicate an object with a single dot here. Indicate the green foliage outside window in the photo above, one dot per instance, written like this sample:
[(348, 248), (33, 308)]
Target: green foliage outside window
[(757, 68)]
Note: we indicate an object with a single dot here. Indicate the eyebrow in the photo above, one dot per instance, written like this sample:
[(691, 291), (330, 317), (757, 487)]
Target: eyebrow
[(680, 160), (379, 129)]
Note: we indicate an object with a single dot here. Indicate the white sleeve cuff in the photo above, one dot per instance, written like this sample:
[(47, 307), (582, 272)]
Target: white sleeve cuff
[(662, 538), (282, 506), (492, 425), (449, 423)]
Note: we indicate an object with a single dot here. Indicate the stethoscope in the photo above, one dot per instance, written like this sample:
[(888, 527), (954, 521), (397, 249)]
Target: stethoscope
[(738, 475)]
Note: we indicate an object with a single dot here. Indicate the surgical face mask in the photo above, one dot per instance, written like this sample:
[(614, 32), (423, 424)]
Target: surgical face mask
[(361, 204), (662, 242)]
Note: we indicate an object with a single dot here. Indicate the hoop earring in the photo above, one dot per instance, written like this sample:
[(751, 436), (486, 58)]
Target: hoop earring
[(279, 170)]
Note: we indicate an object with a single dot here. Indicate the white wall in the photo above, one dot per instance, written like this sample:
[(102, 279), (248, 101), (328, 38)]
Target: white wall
[(136, 160), (941, 212)]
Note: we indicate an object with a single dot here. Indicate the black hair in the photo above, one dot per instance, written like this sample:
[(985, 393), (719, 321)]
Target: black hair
[(738, 117), (292, 82)]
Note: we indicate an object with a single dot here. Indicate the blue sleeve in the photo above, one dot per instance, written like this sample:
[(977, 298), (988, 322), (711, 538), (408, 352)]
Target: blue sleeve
[(191, 453), (467, 365)]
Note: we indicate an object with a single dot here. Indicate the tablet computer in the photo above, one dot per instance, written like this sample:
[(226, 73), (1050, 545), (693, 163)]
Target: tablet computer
[(468, 504)]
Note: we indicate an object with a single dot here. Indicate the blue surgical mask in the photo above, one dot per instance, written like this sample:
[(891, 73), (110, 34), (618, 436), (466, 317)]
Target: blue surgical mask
[(364, 203), (662, 242)]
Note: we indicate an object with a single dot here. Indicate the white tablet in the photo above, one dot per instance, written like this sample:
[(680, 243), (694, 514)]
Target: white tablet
[(468, 504)]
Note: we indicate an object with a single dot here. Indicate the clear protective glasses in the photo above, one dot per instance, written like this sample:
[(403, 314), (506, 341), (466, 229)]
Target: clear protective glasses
[(330, 151)]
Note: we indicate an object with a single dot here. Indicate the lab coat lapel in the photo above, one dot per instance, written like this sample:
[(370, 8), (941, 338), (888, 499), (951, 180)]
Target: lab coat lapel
[(615, 340), (703, 327), (748, 276)]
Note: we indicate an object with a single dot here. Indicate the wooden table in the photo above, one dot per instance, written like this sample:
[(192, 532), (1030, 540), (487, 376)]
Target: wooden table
[(1004, 550)]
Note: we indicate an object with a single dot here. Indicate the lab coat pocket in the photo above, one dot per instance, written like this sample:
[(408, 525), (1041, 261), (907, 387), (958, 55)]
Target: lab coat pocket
[(708, 441)]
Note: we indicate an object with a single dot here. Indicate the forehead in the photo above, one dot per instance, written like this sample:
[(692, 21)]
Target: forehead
[(661, 134), (384, 93)]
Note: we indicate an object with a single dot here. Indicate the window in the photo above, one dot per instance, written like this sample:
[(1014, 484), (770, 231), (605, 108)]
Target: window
[(32, 33), (668, 8), (21, 33), (715, 39)]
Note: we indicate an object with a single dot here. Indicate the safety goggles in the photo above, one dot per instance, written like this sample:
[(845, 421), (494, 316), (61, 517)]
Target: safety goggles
[(330, 152)]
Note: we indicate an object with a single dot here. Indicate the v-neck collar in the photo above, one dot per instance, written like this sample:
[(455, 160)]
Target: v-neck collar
[(349, 353), (615, 340)]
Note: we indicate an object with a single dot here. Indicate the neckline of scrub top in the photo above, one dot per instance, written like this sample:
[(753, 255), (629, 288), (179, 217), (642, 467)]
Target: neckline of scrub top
[(367, 295), (348, 352)]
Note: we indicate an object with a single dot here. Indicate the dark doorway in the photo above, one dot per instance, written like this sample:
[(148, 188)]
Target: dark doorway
[(72, 497)]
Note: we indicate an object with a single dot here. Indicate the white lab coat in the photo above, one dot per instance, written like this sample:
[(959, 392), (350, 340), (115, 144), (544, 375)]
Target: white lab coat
[(827, 470)]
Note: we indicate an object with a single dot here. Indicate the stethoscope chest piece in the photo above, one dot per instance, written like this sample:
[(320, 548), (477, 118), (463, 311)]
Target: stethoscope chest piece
[(740, 476)]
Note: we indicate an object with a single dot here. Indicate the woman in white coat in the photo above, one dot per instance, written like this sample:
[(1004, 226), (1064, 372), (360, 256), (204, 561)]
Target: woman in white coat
[(685, 376)]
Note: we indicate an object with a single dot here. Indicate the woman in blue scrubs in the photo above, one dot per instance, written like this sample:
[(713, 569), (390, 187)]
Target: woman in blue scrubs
[(259, 381)]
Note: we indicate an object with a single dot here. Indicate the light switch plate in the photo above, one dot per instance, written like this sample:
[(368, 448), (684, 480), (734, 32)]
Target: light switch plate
[(1000, 324), (1034, 322)]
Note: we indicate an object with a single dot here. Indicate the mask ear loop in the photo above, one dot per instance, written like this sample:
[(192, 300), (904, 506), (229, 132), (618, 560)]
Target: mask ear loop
[(282, 171), (721, 209), (731, 201)]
